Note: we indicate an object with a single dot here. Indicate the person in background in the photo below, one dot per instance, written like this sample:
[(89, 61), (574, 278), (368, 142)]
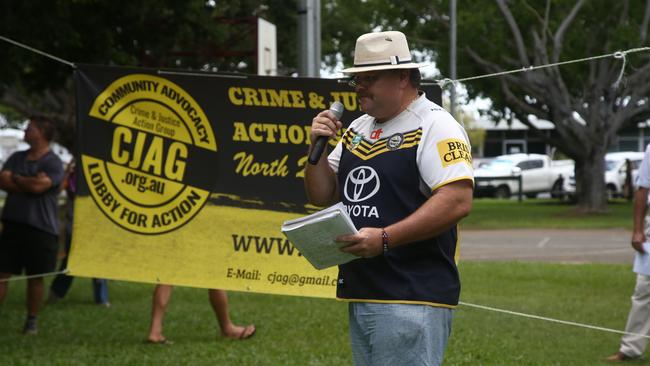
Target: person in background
[(638, 319), (62, 282), (30, 221), (218, 300), (628, 187)]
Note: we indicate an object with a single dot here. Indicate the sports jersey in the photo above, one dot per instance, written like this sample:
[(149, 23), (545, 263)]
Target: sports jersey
[(386, 171)]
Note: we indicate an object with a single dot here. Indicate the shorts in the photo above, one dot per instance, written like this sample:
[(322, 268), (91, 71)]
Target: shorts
[(24, 247)]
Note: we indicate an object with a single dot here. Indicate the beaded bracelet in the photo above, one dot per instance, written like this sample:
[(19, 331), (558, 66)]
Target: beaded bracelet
[(384, 240)]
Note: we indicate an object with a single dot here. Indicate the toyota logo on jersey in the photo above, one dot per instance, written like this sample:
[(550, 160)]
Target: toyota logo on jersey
[(361, 184)]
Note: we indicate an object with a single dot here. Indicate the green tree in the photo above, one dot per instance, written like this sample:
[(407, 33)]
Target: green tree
[(189, 34), (583, 100)]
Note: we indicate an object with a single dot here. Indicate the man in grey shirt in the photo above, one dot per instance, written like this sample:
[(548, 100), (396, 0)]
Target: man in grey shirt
[(30, 224)]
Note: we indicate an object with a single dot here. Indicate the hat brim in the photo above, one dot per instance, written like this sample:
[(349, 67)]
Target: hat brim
[(410, 65)]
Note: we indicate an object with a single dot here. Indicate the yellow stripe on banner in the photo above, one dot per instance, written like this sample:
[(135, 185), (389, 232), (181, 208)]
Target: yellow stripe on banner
[(222, 247)]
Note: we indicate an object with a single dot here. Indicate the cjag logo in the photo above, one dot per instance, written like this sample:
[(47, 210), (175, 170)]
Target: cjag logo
[(361, 184)]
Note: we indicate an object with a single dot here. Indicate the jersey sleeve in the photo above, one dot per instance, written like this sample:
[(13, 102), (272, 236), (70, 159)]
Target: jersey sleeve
[(335, 156), (644, 170), (444, 154)]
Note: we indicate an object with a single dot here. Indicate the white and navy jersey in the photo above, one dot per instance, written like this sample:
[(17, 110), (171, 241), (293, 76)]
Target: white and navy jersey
[(386, 171)]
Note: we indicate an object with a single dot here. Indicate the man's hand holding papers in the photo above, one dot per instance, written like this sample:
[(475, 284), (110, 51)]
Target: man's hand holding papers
[(316, 236), (366, 243)]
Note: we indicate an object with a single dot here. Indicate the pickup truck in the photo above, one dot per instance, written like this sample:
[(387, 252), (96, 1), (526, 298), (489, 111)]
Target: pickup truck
[(539, 174), (615, 171)]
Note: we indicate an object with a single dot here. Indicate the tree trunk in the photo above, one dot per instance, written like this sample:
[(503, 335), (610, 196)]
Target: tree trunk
[(590, 182)]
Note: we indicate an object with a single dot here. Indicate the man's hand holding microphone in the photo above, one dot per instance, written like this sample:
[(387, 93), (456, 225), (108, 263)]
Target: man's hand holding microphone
[(325, 125)]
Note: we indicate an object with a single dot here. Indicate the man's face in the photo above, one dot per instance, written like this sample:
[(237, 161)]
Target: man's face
[(379, 92), (32, 133)]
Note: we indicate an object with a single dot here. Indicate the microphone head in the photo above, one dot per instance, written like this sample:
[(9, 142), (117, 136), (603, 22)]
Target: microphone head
[(337, 108)]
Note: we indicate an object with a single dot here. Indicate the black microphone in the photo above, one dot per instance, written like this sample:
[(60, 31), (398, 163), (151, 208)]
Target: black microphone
[(337, 109)]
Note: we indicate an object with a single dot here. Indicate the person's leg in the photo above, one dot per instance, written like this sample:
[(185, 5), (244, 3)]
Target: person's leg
[(161, 296), (34, 295), (4, 286), (638, 320), (219, 302), (402, 334), (100, 291), (11, 260), (40, 258), (359, 328), (62, 282), (34, 300)]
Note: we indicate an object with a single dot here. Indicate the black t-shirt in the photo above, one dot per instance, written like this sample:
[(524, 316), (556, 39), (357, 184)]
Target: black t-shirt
[(37, 210)]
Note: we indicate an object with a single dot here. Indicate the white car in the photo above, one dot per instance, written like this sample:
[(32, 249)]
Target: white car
[(499, 177), (615, 170)]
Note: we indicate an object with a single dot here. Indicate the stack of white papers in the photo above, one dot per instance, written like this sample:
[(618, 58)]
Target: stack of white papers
[(642, 261), (315, 236)]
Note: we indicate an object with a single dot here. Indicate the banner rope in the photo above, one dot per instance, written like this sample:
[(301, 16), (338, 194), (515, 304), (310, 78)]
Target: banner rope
[(618, 54), (441, 82), (19, 278), (552, 320), (38, 51)]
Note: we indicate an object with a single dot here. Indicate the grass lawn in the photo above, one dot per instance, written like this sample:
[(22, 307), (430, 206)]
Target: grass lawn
[(304, 331), (544, 213)]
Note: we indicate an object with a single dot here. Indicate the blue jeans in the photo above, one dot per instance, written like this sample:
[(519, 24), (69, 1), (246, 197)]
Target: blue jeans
[(62, 282), (398, 334)]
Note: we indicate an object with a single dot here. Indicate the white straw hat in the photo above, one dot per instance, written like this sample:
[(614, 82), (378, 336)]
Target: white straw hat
[(381, 51)]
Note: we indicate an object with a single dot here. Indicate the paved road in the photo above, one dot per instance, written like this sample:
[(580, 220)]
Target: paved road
[(567, 246)]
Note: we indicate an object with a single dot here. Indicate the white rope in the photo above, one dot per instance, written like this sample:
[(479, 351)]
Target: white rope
[(19, 278), (442, 82), (618, 54), (483, 307), (581, 325), (620, 75), (38, 51)]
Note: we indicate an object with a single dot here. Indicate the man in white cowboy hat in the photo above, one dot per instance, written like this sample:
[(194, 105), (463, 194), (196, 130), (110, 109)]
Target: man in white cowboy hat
[(404, 171)]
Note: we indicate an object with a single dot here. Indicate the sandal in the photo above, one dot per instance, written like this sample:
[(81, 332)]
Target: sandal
[(247, 332), (162, 342)]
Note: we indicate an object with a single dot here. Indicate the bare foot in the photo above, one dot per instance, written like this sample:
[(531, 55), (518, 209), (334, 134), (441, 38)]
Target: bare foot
[(156, 338), (238, 332), (619, 357)]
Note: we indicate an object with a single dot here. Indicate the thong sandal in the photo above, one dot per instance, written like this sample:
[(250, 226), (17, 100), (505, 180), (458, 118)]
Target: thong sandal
[(162, 342), (247, 333)]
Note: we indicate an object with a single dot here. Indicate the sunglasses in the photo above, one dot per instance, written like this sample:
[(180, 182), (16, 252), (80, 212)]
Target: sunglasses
[(366, 80)]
